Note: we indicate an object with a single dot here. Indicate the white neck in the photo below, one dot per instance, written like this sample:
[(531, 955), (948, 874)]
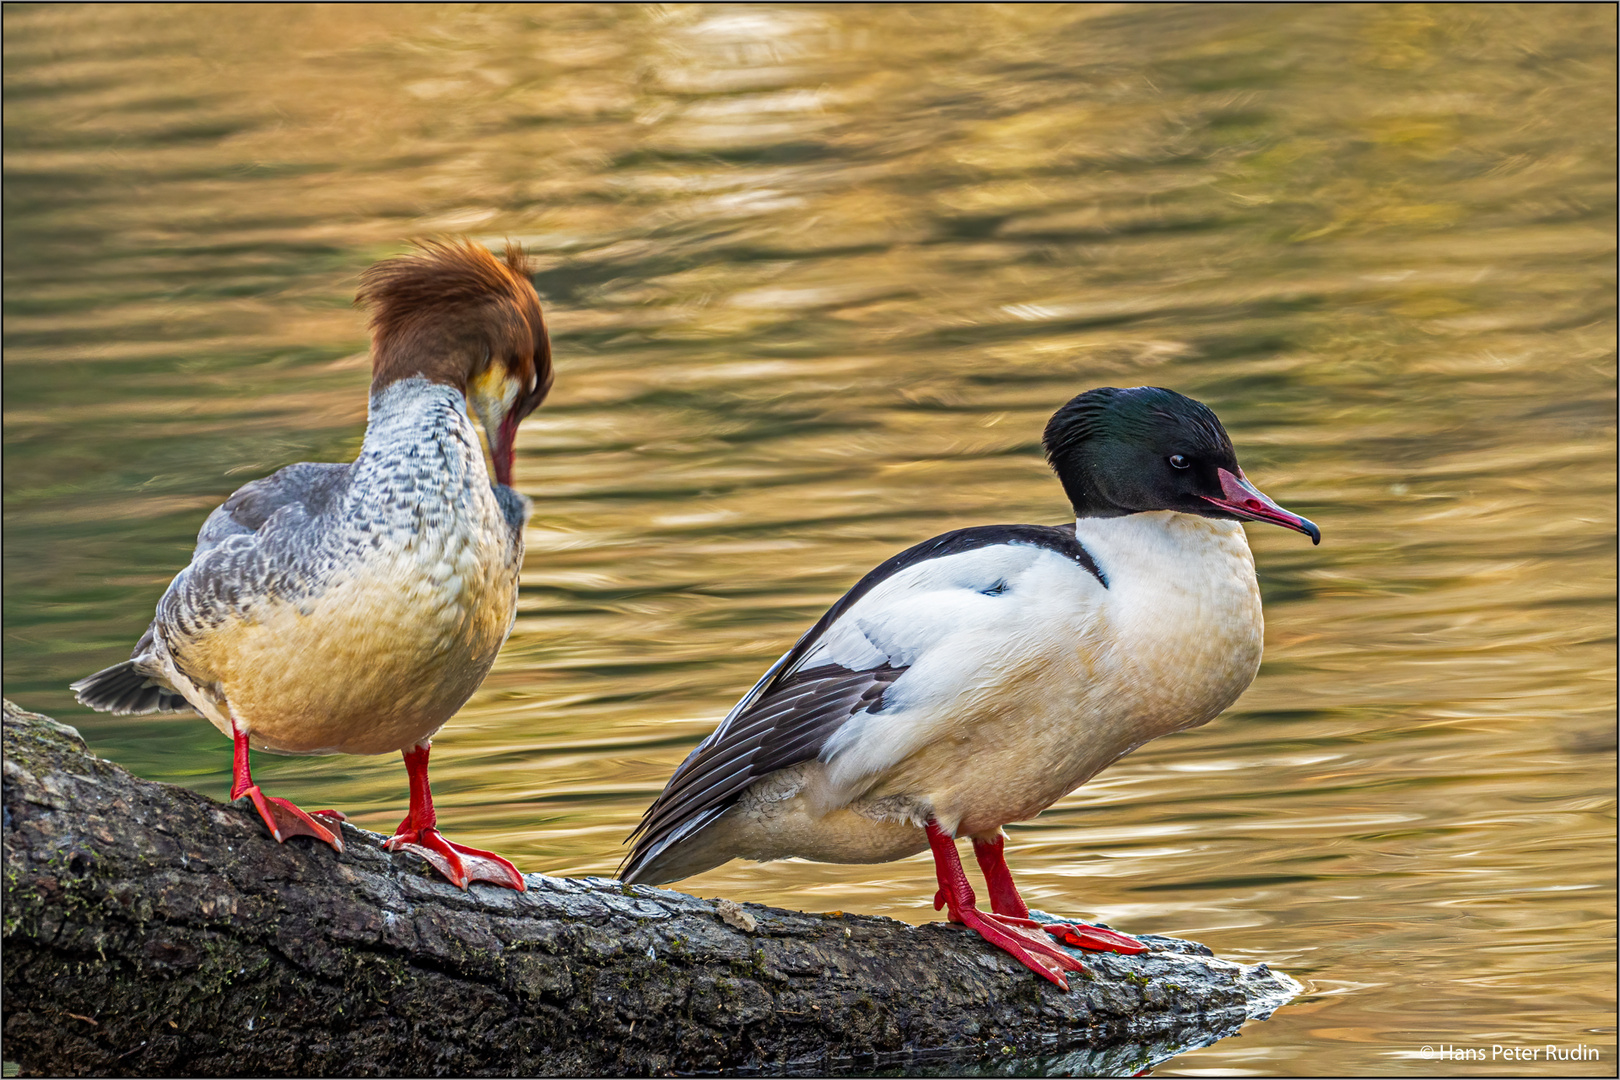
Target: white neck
[(1164, 545), (1183, 602)]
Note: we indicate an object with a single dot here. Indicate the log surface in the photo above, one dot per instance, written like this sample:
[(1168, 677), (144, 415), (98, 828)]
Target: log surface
[(149, 930)]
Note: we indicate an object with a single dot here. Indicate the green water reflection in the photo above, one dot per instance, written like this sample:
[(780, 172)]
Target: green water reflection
[(816, 277)]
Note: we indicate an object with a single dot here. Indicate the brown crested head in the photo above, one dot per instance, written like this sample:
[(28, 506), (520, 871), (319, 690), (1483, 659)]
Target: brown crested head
[(453, 313)]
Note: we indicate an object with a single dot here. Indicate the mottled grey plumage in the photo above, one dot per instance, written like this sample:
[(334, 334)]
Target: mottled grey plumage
[(352, 609), (408, 508)]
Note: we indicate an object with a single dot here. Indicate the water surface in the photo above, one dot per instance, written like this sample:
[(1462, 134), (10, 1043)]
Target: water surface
[(816, 277)]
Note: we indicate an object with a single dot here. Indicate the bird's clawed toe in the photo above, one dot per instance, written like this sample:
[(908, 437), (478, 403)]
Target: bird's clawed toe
[(1031, 949), (284, 820), (1096, 938), (456, 863), (1080, 935)]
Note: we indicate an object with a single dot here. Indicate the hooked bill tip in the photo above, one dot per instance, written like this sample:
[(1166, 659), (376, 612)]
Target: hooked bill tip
[(1243, 500)]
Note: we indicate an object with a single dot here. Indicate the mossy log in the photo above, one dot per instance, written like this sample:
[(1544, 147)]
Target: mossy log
[(149, 930)]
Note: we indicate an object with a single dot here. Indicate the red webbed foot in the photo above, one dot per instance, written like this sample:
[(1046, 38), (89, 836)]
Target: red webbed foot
[(283, 819), (1033, 950), (459, 865), (1010, 909), (1081, 935), (419, 835), (1013, 937), (1029, 947)]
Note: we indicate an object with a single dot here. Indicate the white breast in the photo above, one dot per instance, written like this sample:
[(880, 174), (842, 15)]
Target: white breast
[(1183, 612), (1017, 696)]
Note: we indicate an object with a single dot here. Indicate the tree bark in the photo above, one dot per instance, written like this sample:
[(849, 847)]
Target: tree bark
[(151, 931)]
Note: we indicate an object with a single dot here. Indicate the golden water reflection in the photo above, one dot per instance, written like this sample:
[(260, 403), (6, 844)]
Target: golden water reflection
[(816, 278)]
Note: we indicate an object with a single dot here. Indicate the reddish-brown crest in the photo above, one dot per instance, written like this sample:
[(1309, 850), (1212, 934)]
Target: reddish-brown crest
[(450, 309)]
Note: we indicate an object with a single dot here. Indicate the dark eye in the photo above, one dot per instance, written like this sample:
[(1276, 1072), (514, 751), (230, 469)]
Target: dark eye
[(1178, 461)]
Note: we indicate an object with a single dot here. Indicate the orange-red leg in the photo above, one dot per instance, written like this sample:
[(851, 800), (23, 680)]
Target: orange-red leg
[(419, 834), (281, 817), (1032, 950), (1004, 898), (1009, 907)]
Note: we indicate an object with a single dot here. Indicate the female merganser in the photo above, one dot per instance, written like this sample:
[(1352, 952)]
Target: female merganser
[(354, 608), (977, 678)]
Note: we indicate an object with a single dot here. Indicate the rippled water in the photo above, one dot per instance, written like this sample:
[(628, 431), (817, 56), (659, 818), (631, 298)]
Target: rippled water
[(816, 277)]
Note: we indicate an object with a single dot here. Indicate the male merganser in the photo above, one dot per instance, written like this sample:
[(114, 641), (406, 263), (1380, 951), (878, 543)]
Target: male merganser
[(977, 678), (353, 608)]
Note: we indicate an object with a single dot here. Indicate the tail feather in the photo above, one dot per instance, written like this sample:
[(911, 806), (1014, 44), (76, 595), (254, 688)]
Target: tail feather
[(687, 851), (128, 691)]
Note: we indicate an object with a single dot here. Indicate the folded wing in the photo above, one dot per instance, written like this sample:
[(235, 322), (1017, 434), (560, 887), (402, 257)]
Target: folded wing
[(847, 675)]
